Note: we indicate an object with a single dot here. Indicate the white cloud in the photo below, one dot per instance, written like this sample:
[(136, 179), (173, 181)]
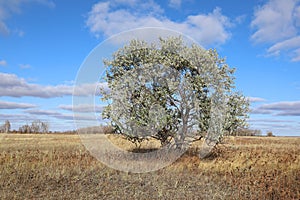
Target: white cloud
[(43, 112), (175, 3), (276, 16), (296, 56), (268, 120), (10, 7), (260, 111), (277, 23), (107, 19), (3, 63), (15, 117), (82, 108), (291, 43), (14, 86), (255, 99), (284, 105), (285, 108), (14, 105), (297, 16), (58, 115)]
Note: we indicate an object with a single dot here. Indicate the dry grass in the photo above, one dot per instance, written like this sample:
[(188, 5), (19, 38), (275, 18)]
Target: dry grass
[(59, 167)]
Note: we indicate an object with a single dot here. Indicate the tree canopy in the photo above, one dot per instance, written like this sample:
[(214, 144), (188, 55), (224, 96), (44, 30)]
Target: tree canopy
[(173, 92)]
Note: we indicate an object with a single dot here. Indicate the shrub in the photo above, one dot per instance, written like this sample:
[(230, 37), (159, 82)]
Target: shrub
[(270, 134)]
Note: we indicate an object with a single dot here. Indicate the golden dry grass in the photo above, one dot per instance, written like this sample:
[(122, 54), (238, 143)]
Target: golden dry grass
[(59, 167)]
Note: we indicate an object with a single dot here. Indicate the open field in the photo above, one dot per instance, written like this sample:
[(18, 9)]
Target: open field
[(59, 167)]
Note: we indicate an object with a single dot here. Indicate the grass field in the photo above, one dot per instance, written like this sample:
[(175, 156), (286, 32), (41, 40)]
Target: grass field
[(59, 167)]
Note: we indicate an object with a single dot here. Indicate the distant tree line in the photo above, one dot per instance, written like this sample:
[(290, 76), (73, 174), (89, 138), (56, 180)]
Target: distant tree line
[(36, 126), (245, 132), (102, 129)]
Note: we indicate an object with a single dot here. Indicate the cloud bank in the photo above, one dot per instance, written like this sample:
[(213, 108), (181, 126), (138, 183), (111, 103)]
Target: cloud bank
[(60, 115), (277, 24), (14, 105), (111, 17), (82, 108), (13, 86), (256, 99), (285, 108)]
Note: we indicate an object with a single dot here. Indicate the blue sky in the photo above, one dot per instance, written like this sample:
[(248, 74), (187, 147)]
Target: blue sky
[(44, 42)]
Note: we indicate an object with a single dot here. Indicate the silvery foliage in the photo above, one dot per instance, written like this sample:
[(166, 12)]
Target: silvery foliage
[(7, 126), (237, 113), (170, 91)]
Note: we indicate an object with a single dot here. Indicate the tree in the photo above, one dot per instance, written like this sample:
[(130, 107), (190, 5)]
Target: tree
[(237, 113), (38, 126), (247, 132), (270, 134), (7, 126), (25, 129), (172, 92), (44, 127)]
